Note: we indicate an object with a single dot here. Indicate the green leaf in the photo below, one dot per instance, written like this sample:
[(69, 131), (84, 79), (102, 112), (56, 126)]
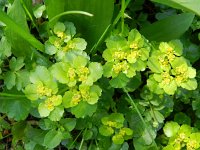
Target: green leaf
[(53, 138), (83, 109), (120, 81), (18, 130), (59, 71), (43, 110), (182, 118), (38, 10), (68, 123), (190, 84), (56, 114), (16, 64), (191, 6), (54, 8), (47, 124), (5, 48), (172, 27), (96, 71), (19, 28), (106, 130), (49, 48), (17, 108), (171, 128), (91, 27), (154, 65), (10, 79), (117, 139)]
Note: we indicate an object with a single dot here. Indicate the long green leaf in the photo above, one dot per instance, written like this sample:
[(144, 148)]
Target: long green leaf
[(187, 5), (91, 28), (170, 28), (10, 23)]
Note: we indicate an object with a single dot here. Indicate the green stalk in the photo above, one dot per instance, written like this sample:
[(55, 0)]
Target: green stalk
[(70, 12), (140, 115), (122, 15), (109, 28), (75, 139), (29, 14)]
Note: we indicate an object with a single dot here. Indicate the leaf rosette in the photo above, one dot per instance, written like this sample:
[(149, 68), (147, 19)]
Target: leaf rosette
[(125, 55), (63, 40)]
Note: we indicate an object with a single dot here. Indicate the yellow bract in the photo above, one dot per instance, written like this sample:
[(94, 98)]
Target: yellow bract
[(192, 145), (76, 99), (119, 55), (134, 45), (121, 66), (43, 91), (71, 73), (111, 123)]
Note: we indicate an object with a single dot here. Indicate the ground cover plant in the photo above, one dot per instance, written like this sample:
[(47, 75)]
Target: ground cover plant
[(99, 75)]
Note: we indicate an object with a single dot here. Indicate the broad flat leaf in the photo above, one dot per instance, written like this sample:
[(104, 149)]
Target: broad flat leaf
[(106, 130), (91, 27), (18, 130), (54, 8), (36, 135), (120, 81), (10, 79), (53, 138), (171, 128), (56, 114), (83, 109), (187, 5), (17, 30), (68, 123), (17, 108), (169, 28)]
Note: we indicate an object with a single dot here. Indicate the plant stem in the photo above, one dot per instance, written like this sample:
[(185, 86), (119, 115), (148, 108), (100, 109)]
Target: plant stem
[(122, 15), (81, 144), (76, 138), (140, 115)]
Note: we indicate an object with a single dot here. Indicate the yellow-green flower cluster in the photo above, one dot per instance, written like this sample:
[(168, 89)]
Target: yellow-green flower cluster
[(114, 123), (63, 40), (125, 55), (184, 137), (170, 69), (43, 88), (75, 95)]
